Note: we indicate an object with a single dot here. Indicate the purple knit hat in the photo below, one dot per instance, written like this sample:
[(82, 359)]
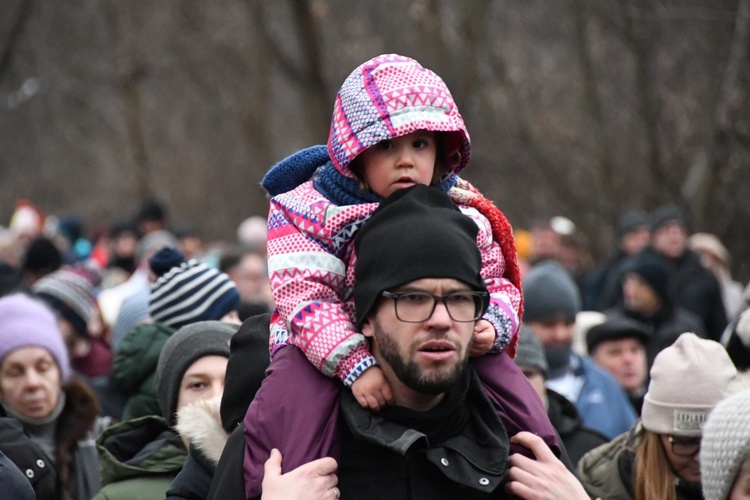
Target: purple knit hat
[(26, 322), (387, 97)]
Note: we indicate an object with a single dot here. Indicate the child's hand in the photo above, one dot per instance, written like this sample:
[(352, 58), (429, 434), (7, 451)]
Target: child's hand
[(372, 389), (484, 337)]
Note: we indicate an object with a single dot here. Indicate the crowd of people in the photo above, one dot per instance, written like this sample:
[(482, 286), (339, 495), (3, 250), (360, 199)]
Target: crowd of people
[(380, 334)]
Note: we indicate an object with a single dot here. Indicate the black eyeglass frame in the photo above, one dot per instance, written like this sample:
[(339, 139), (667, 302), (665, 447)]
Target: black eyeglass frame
[(481, 302), (694, 444)]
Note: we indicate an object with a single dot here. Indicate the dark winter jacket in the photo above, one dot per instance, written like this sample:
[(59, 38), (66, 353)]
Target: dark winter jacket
[(403, 454), (75, 461), (200, 424), (228, 482), (578, 440), (139, 458), (36, 467), (134, 368), (15, 484)]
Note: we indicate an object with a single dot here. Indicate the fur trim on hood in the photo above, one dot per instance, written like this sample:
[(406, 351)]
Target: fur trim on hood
[(200, 423)]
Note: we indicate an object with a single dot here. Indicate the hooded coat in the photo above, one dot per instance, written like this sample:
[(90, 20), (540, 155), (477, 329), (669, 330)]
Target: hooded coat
[(200, 424), (139, 459)]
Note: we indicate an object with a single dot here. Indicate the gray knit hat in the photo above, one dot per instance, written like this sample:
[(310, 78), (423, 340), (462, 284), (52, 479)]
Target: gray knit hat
[(530, 351), (687, 380), (548, 292), (725, 445), (184, 347)]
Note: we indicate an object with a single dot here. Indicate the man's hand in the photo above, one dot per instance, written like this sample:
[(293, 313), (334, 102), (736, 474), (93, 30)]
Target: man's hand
[(545, 478), (484, 337), (314, 480), (372, 389)]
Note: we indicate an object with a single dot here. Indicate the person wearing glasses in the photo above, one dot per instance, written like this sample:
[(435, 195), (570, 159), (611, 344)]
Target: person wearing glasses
[(418, 295), (660, 456)]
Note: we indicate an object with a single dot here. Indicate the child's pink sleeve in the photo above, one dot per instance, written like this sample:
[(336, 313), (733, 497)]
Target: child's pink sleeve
[(505, 298), (308, 280)]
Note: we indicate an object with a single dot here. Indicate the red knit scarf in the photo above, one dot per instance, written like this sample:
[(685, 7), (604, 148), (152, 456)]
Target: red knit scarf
[(502, 232)]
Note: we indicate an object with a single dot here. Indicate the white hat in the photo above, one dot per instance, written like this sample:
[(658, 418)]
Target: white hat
[(687, 380)]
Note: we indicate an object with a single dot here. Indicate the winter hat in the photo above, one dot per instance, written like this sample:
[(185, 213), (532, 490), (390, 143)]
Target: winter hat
[(42, 256), (188, 291), (653, 270), (71, 295), (530, 351), (26, 322), (631, 220), (616, 328), (182, 349), (709, 243), (387, 97), (667, 214), (246, 369), (725, 445), (415, 233), (687, 379), (549, 292)]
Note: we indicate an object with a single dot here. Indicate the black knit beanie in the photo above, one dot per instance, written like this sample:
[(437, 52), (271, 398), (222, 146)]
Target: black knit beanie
[(184, 347), (248, 360), (667, 214), (415, 233), (653, 270)]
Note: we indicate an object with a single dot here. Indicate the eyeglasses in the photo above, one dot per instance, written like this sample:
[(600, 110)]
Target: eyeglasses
[(416, 307), (684, 447)]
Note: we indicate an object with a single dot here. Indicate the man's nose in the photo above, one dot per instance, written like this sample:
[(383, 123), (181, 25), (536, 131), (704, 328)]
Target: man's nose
[(440, 316)]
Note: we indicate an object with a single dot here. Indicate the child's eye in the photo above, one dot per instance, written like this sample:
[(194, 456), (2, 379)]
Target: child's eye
[(384, 145)]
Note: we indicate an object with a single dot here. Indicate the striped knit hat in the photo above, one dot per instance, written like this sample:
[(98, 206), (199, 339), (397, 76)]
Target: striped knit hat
[(71, 295), (188, 291), (387, 97), (725, 445)]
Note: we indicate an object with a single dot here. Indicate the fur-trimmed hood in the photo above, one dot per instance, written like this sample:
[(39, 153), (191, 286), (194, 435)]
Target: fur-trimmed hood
[(200, 424)]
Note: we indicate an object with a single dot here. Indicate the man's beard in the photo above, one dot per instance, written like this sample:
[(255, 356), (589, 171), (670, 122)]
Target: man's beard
[(409, 373)]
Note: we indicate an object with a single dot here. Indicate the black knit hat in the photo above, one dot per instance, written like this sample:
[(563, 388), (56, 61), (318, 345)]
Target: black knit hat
[(667, 214), (184, 347), (248, 360), (616, 328), (415, 233), (653, 270)]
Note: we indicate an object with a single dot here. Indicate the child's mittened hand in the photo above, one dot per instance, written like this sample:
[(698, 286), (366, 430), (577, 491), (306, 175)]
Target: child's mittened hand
[(372, 389), (484, 337)]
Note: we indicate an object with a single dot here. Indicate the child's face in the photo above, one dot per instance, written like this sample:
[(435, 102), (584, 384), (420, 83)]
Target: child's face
[(399, 163)]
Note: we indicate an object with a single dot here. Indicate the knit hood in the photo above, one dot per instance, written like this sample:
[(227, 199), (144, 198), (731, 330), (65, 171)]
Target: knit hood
[(387, 97)]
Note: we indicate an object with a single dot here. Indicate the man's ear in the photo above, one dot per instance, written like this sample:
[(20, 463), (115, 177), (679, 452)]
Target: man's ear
[(367, 328)]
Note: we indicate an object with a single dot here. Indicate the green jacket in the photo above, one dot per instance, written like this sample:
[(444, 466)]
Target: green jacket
[(607, 470), (134, 368), (139, 459)]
